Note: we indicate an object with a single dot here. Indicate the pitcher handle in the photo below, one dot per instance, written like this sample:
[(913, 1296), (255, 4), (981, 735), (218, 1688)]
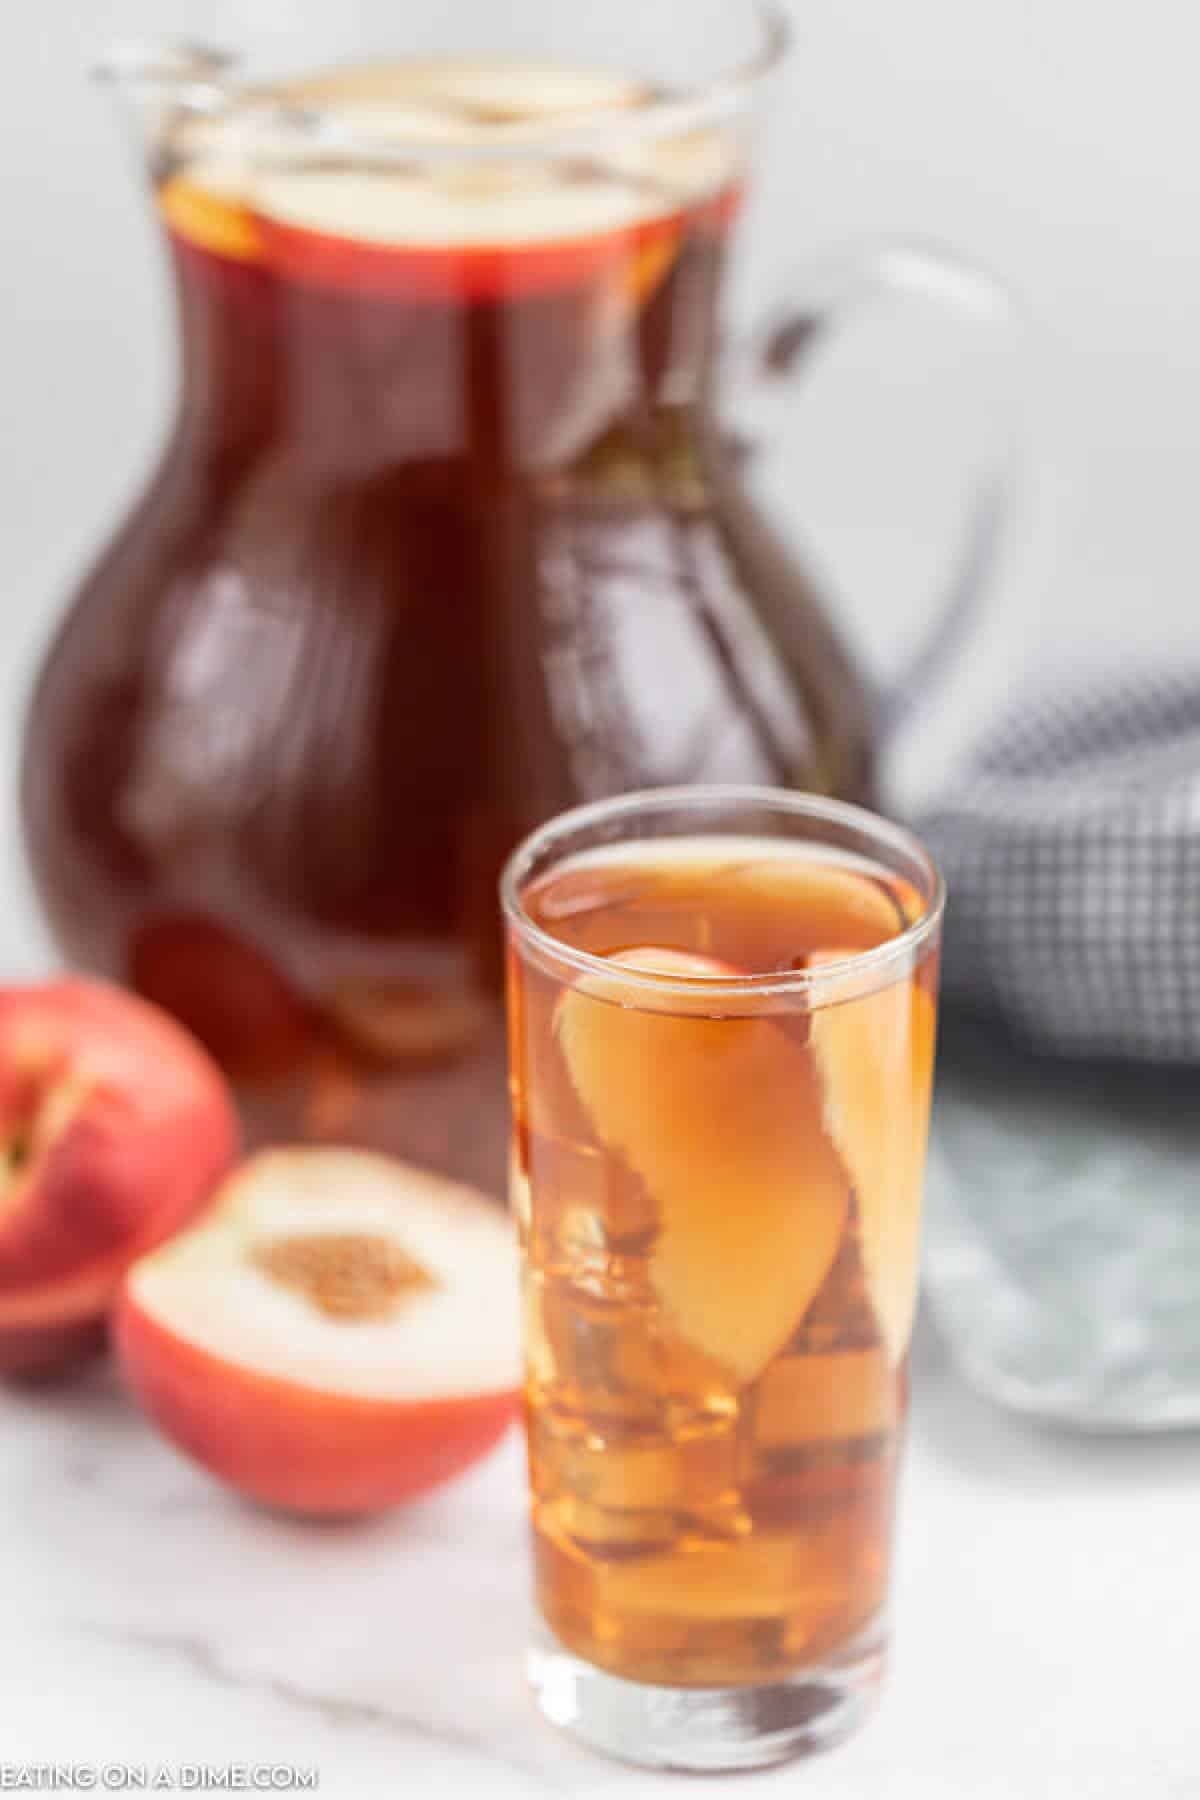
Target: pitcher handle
[(830, 292)]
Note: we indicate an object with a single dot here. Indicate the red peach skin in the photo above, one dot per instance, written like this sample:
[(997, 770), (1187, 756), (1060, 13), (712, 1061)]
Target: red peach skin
[(294, 1448), (117, 1125)]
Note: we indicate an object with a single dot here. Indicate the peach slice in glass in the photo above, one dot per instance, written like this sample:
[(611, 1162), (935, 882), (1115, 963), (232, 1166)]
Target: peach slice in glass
[(875, 1054), (837, 901), (723, 1120)]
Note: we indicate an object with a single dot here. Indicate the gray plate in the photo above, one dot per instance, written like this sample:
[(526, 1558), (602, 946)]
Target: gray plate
[(1063, 1236)]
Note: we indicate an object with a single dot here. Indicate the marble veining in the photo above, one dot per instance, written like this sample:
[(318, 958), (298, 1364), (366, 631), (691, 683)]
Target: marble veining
[(150, 1614), (207, 1661)]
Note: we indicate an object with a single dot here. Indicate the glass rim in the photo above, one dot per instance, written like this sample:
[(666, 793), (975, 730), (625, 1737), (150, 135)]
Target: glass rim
[(904, 948), (204, 79)]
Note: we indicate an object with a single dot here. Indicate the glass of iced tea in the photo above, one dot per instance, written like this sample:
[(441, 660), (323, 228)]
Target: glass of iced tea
[(722, 1007)]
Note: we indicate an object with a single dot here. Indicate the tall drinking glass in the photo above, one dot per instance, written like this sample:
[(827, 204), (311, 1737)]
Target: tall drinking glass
[(722, 1011)]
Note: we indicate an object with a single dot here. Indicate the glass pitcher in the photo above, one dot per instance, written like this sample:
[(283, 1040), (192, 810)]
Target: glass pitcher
[(447, 537)]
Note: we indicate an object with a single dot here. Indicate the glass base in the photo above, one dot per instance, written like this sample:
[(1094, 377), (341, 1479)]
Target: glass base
[(707, 1729)]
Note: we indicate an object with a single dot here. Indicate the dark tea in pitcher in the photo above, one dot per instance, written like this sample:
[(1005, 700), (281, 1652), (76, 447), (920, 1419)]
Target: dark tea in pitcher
[(445, 540)]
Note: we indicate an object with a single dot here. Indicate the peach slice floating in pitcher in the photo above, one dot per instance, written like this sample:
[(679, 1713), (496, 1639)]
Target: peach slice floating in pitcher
[(209, 219), (723, 1120), (389, 216), (875, 1054), (338, 1333)]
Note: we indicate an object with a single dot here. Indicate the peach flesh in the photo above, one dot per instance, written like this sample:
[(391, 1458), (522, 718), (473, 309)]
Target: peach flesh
[(722, 1118), (876, 1056), (337, 1335)]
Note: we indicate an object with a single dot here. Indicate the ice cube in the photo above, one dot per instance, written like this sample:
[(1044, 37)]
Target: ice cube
[(586, 1206), (626, 1490), (613, 1362)]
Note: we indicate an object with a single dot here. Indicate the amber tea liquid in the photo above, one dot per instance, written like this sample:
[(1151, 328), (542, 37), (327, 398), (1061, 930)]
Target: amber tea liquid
[(719, 1199)]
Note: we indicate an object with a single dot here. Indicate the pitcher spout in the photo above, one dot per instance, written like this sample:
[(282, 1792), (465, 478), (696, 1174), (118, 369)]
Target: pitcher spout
[(159, 78)]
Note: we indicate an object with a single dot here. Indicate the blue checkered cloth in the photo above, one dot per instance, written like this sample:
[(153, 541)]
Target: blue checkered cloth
[(1071, 847)]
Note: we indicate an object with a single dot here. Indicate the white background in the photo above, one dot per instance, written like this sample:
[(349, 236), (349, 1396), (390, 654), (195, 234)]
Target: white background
[(1056, 141), (1048, 1597)]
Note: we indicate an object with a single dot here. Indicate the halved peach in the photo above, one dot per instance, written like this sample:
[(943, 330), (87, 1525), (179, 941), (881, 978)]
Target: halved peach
[(723, 1120), (225, 989), (114, 1127), (338, 1333), (875, 1054)]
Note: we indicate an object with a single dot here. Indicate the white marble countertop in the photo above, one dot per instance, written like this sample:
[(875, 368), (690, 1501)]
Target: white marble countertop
[(1046, 1621), (1047, 1610)]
